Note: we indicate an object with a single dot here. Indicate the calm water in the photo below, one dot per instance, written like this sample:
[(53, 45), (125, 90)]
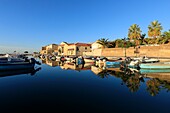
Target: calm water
[(68, 88)]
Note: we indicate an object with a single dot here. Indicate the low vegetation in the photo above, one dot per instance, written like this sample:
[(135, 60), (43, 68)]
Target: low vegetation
[(136, 38)]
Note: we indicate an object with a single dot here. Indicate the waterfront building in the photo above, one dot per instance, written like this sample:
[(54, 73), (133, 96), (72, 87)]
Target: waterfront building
[(49, 49), (73, 49), (96, 45)]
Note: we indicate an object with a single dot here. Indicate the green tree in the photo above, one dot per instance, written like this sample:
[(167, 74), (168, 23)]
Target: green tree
[(111, 44), (165, 37), (118, 43), (166, 34), (104, 42), (154, 29), (134, 33)]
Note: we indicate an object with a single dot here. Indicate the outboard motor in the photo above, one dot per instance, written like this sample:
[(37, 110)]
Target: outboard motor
[(32, 60), (26, 59), (37, 62)]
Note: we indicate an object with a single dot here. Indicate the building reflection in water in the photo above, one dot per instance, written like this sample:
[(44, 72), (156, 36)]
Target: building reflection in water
[(155, 82), (50, 62), (73, 66)]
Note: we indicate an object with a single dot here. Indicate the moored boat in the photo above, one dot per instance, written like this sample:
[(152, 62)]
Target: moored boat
[(147, 60), (9, 65), (108, 63), (10, 58), (161, 65)]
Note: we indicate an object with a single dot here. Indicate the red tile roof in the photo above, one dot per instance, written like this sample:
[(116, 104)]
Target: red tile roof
[(77, 44)]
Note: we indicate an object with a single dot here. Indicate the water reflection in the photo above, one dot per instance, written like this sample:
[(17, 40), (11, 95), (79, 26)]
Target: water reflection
[(31, 71), (50, 62), (154, 80), (73, 66)]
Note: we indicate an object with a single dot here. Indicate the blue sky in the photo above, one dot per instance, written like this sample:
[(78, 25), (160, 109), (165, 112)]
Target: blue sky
[(31, 24)]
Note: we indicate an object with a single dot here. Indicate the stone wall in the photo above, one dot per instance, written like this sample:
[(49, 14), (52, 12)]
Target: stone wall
[(150, 51), (95, 52)]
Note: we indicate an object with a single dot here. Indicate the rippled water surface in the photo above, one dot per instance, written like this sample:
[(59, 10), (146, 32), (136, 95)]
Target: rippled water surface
[(69, 88)]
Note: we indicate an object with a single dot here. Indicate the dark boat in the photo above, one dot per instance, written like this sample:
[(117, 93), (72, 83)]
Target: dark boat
[(10, 65)]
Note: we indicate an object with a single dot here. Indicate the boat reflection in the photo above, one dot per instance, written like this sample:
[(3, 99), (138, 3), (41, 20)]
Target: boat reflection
[(30, 71), (155, 80)]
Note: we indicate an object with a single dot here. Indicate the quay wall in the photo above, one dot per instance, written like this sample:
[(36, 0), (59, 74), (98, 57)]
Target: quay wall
[(150, 51)]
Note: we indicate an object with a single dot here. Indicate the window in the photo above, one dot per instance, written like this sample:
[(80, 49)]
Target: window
[(85, 47), (77, 48), (62, 50)]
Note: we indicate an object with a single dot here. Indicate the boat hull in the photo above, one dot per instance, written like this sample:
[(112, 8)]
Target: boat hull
[(16, 65), (89, 60), (112, 63), (155, 66), (146, 71)]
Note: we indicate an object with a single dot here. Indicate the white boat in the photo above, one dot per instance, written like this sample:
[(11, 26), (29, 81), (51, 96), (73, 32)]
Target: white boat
[(10, 58), (134, 64), (146, 60)]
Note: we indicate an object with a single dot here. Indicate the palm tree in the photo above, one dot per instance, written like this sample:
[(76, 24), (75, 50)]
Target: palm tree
[(154, 29), (166, 37), (103, 42), (118, 43), (134, 33), (166, 34), (111, 44)]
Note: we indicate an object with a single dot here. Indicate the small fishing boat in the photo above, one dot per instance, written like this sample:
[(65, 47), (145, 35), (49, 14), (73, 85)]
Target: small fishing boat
[(151, 60), (109, 63), (134, 64), (161, 65), (11, 65), (146, 60), (10, 58)]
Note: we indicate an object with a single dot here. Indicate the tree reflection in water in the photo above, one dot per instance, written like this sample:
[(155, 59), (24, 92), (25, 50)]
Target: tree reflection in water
[(165, 84), (103, 74), (132, 81), (153, 86)]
